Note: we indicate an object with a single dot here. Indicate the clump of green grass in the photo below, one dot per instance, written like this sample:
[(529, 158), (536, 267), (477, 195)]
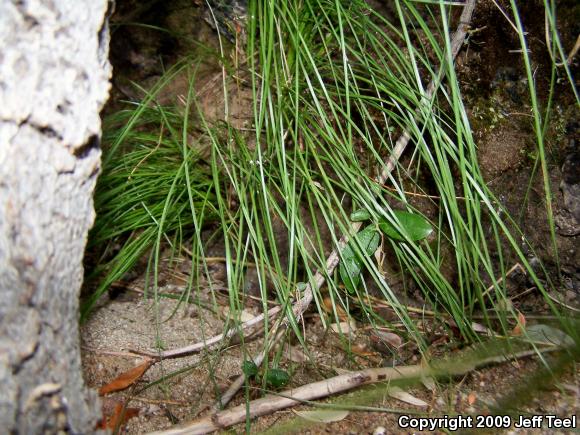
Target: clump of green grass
[(155, 189), (334, 84)]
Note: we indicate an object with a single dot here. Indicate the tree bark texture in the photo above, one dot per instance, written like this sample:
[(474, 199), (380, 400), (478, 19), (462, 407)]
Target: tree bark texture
[(54, 79)]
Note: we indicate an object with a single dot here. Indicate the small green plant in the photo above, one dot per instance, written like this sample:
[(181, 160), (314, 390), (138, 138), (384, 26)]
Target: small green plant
[(410, 226), (352, 264), (404, 227), (276, 378), (273, 377), (249, 369)]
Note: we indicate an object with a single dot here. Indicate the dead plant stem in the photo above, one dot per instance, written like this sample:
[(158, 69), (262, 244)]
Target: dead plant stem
[(335, 385)]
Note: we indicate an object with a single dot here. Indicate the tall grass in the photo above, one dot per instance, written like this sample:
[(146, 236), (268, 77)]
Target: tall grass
[(154, 190), (333, 85), (336, 84)]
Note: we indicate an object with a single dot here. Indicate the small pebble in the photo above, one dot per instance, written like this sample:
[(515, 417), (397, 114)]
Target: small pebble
[(380, 430)]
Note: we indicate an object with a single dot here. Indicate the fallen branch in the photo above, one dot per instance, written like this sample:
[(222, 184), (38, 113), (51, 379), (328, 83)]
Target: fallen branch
[(338, 384)]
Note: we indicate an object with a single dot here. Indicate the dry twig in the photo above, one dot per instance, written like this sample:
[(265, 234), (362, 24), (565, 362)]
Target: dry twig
[(337, 384)]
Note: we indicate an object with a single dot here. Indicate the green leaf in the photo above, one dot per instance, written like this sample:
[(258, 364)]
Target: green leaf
[(413, 225), (249, 368), (369, 239), (350, 273), (351, 265), (277, 377), (360, 215), (301, 286)]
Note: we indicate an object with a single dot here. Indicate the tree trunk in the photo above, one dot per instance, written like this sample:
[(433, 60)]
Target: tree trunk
[(54, 77)]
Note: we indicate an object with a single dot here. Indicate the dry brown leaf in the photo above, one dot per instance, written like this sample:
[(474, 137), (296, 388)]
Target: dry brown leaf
[(125, 380), (480, 329), (102, 423), (245, 315), (403, 396), (294, 354), (518, 329), (346, 328), (388, 337), (361, 350), (121, 416), (115, 415), (328, 307), (323, 415), (471, 398), (429, 383)]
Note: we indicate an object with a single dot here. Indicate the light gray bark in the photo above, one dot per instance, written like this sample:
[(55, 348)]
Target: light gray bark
[(54, 79)]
